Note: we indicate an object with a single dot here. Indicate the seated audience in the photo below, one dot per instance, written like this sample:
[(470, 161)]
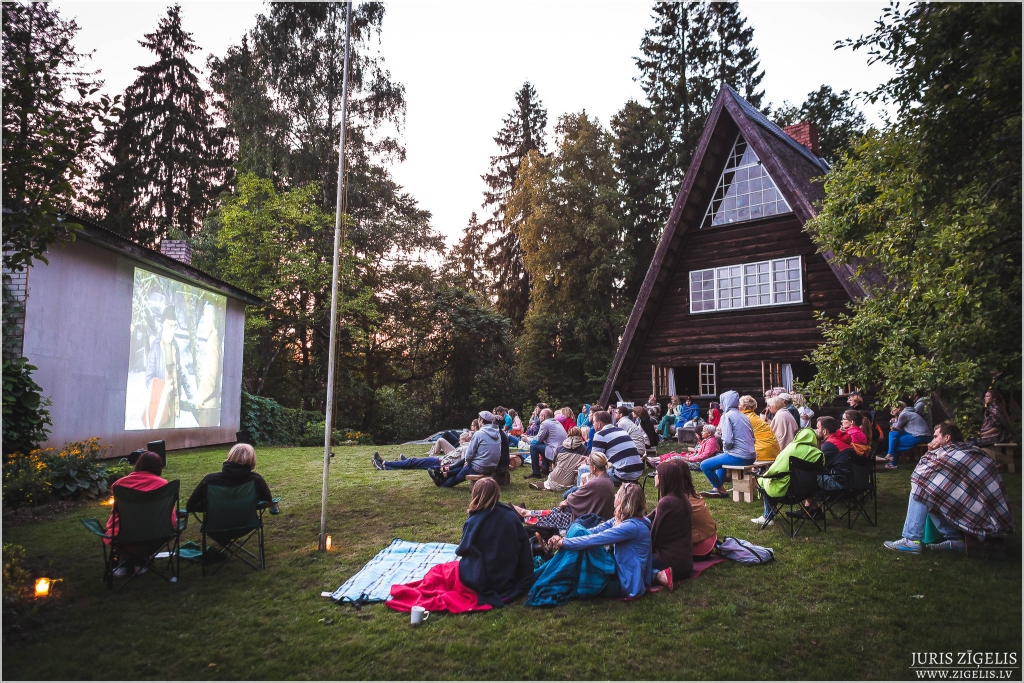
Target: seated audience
[(449, 458), (737, 445), (595, 494), (908, 430), (775, 480), (672, 524), (958, 486), (995, 424), (625, 462), (145, 477), (671, 417), (237, 470), (583, 419), (804, 411), (783, 425), (627, 532), (567, 460), (516, 429), (705, 531), (922, 405), (689, 413), (566, 418), (481, 457), (643, 420), (707, 447), (852, 430), (624, 420), (765, 444), (535, 420), (544, 446), (788, 399), (714, 413), (653, 408), (837, 450)]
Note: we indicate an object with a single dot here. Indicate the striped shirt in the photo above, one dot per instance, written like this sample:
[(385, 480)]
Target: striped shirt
[(623, 457)]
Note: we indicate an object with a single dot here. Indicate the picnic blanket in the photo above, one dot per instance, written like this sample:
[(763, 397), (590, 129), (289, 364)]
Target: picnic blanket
[(699, 566), (440, 590), (401, 562)]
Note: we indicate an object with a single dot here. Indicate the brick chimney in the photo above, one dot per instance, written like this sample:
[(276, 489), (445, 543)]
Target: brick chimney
[(806, 133), (179, 250)]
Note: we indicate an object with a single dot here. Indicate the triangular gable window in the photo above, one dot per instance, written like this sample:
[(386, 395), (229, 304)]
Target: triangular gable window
[(745, 191)]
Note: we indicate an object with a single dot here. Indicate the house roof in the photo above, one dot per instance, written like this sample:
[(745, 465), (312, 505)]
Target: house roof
[(94, 233), (795, 169)]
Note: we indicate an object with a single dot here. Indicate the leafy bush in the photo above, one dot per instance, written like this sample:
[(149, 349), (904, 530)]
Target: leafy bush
[(259, 414), (114, 472), (76, 471), (269, 422), (26, 479), (25, 417), (16, 575)]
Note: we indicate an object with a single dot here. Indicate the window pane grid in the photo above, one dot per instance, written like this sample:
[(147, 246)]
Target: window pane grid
[(750, 285), (707, 379), (745, 191)]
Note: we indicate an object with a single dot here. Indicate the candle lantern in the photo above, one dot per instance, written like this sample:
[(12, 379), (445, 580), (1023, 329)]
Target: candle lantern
[(43, 587)]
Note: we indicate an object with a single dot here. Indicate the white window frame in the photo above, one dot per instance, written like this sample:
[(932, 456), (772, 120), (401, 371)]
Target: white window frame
[(707, 371), (730, 305)]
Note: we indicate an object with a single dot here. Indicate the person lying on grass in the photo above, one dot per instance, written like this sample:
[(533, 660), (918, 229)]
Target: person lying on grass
[(596, 494), (449, 458), (237, 470), (630, 537), (958, 486)]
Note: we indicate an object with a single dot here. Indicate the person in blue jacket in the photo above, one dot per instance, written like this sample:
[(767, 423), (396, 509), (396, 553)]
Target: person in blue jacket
[(629, 534), (687, 411)]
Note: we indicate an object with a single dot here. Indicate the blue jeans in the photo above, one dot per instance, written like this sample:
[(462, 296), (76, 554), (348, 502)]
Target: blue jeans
[(712, 467), (902, 441), (913, 527), (537, 457), (457, 475), (513, 441), (412, 464)]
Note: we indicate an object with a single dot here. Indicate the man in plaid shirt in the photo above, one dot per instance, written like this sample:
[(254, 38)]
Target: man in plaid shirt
[(958, 486)]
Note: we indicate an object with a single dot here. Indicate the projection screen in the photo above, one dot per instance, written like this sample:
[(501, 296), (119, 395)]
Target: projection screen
[(175, 364)]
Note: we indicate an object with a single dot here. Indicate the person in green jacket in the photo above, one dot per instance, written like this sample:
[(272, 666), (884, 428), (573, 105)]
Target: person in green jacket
[(805, 447)]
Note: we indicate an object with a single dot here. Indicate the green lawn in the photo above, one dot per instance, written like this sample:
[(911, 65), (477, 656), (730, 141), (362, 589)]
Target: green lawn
[(832, 606)]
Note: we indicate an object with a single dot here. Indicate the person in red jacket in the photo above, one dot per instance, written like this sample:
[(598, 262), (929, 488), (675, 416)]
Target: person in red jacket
[(145, 477)]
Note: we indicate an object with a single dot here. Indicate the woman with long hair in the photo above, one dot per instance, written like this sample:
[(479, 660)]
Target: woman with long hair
[(672, 523), (995, 424), (642, 418)]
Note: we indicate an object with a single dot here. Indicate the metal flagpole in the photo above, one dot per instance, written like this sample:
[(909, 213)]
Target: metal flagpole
[(329, 418)]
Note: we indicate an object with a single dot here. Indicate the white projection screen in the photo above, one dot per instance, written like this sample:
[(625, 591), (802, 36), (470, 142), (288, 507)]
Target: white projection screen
[(176, 357)]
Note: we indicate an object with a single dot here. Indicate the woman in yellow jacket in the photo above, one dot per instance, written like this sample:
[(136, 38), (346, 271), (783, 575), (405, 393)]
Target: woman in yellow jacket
[(765, 444)]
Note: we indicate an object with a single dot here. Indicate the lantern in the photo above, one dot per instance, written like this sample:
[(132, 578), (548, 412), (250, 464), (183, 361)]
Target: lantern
[(43, 587), (328, 544)]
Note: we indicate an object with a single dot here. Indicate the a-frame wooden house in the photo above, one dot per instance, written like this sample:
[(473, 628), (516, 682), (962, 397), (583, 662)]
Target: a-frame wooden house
[(730, 296)]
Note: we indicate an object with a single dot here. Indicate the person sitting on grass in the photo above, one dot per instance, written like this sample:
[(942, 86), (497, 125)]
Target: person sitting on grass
[(706, 448), (570, 455), (449, 458), (145, 477), (737, 445), (237, 470), (958, 486), (595, 494), (672, 524), (643, 420), (784, 426), (625, 462), (765, 444), (775, 481), (543, 447), (482, 455), (630, 537), (908, 430)]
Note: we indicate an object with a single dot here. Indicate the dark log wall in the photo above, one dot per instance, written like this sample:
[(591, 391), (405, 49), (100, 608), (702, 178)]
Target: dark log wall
[(736, 340)]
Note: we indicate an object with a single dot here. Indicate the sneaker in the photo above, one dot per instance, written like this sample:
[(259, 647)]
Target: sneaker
[(121, 572), (378, 462), (904, 545), (890, 466), (401, 456), (713, 494), (760, 521), (435, 475), (948, 544), (534, 476), (538, 485)]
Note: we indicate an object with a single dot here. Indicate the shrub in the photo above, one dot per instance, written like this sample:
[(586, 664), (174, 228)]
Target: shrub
[(26, 479), (25, 417), (16, 575), (259, 415), (76, 471), (121, 469)]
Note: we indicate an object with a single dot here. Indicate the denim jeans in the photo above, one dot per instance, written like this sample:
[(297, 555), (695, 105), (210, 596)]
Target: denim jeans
[(537, 458), (412, 464), (902, 441), (913, 527), (712, 467), (618, 481), (457, 475)]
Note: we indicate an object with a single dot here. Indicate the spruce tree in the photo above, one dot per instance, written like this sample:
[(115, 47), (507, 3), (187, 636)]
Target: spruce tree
[(166, 153), (738, 64), (521, 132), (469, 252)]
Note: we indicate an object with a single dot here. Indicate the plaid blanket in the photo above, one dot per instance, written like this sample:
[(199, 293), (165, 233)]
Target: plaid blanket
[(962, 482), (401, 562)]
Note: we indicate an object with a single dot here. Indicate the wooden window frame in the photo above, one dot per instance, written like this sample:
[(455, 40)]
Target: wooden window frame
[(712, 371), (659, 380), (770, 263)]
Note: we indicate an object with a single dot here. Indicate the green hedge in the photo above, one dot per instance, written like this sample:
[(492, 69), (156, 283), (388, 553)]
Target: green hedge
[(269, 422)]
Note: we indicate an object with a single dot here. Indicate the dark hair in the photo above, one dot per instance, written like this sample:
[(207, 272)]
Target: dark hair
[(687, 398), (603, 416), (714, 405), (674, 479), (997, 398), (951, 430), (920, 393), (829, 424), (149, 462), (500, 410)]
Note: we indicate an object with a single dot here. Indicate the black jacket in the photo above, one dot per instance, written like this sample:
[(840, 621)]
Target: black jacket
[(837, 462), (230, 475), (496, 559)]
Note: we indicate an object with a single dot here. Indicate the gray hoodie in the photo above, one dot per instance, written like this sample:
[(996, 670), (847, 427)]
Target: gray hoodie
[(484, 450), (737, 434)]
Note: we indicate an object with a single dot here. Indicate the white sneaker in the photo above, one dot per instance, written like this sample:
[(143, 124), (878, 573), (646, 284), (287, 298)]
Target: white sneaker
[(760, 521), (121, 572)]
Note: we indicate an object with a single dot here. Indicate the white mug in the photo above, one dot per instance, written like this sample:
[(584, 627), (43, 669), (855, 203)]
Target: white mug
[(419, 615)]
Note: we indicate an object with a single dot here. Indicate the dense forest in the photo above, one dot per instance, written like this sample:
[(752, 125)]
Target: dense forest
[(529, 304)]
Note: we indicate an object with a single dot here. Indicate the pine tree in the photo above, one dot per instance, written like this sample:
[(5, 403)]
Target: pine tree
[(469, 253), (522, 131), (738, 64), (166, 153)]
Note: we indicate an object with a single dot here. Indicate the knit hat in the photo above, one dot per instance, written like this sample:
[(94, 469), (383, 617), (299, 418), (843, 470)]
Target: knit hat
[(487, 416), (572, 442)]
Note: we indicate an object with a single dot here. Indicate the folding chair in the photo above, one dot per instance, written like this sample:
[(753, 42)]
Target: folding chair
[(144, 529), (860, 492), (803, 487), (232, 518)]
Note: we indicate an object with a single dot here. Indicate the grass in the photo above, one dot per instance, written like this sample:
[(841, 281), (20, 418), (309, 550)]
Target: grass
[(831, 606)]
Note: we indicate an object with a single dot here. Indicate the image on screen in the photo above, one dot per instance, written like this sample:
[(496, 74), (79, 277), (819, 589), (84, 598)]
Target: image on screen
[(175, 362)]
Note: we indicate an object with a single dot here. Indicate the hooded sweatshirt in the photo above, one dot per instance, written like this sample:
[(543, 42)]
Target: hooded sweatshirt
[(583, 419), (484, 450), (737, 434), (805, 447)]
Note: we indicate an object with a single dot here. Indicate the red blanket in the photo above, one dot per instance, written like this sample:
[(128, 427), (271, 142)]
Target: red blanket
[(438, 591)]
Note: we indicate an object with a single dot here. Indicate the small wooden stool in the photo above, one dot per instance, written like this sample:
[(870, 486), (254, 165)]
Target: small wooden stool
[(744, 482), (1002, 453), (916, 453), (473, 479)]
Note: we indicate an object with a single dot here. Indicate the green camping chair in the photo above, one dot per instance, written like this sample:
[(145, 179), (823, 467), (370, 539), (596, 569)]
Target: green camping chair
[(233, 516), (144, 530)]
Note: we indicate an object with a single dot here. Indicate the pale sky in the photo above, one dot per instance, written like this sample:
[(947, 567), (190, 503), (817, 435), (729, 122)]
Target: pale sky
[(462, 63)]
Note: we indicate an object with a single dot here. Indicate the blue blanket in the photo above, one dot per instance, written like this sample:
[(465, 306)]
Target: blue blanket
[(400, 562), (574, 574)]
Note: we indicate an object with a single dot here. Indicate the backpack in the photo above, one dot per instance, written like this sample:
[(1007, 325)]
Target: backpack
[(744, 552)]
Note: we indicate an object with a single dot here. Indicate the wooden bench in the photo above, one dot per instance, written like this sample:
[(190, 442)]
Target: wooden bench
[(473, 479), (1002, 453), (744, 480)]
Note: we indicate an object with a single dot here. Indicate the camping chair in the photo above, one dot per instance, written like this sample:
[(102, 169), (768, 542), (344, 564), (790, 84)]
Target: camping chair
[(803, 487), (232, 518), (860, 491), (144, 529)]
